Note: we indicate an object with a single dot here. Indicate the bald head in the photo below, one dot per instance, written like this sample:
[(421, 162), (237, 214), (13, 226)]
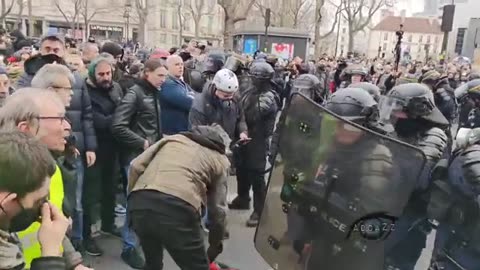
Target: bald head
[(175, 66), (89, 52)]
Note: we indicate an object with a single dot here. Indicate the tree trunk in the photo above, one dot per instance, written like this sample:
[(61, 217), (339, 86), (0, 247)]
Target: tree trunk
[(4, 11), (31, 22), (18, 23), (197, 26), (141, 30), (85, 21), (227, 34), (180, 23), (351, 36), (318, 21)]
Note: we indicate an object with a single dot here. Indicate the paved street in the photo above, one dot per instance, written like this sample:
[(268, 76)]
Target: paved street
[(239, 250)]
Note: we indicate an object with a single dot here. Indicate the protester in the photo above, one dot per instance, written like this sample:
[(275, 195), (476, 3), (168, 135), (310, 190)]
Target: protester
[(167, 197), (41, 113), (58, 78), (100, 177), (89, 52), (26, 167), (137, 124), (176, 98), (5, 88)]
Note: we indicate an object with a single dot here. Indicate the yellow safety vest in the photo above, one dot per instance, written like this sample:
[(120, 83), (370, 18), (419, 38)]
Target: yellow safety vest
[(28, 238)]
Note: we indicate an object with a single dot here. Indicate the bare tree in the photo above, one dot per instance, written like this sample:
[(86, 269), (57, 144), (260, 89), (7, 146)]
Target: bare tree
[(142, 10), (358, 14), (6, 9), (18, 22), (199, 9), (319, 12), (31, 23), (71, 15), (88, 10), (291, 13), (234, 11)]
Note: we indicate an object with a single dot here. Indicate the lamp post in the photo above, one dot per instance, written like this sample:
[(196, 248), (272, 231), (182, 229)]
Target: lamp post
[(126, 16)]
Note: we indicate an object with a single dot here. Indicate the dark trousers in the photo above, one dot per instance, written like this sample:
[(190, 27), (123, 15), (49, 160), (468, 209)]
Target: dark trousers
[(255, 179), (177, 229), (100, 189)]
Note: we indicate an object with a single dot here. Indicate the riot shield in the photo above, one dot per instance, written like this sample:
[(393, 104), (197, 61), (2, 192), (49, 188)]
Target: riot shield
[(195, 79), (335, 195)]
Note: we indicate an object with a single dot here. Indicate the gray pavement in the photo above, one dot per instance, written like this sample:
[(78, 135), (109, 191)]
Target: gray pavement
[(239, 250)]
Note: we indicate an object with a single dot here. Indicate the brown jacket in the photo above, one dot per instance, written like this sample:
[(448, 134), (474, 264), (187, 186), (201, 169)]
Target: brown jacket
[(182, 167)]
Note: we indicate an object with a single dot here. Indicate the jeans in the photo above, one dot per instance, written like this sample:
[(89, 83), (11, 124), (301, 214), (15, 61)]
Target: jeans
[(128, 235), (77, 226)]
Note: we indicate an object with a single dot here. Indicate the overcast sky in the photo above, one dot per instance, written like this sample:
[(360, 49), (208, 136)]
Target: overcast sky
[(412, 6)]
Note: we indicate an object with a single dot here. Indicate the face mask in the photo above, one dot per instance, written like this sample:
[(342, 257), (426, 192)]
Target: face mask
[(24, 219)]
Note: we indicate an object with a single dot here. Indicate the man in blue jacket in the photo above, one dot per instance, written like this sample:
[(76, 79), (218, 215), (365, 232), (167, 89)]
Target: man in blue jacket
[(176, 98)]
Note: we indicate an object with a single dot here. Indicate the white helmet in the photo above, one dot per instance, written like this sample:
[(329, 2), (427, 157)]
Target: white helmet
[(225, 80)]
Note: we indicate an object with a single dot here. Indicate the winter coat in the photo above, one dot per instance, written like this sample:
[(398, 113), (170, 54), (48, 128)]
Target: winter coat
[(138, 118), (202, 183), (207, 109), (176, 99)]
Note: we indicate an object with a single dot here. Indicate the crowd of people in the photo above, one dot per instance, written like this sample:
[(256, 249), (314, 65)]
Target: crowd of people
[(83, 123)]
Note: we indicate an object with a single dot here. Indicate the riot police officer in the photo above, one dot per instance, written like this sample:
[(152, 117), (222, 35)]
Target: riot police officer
[(455, 204), (371, 88), (310, 86), (443, 93), (410, 109), (260, 104), (468, 97), (334, 173), (354, 73)]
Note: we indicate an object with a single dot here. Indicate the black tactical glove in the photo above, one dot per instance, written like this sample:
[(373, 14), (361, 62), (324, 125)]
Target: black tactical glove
[(214, 251)]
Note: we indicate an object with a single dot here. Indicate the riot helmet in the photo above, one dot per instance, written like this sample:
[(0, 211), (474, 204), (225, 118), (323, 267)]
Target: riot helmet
[(234, 63), (356, 105), (372, 89), (355, 73), (214, 62), (473, 76), (473, 91), (430, 78), (310, 86), (262, 73), (272, 60), (410, 101)]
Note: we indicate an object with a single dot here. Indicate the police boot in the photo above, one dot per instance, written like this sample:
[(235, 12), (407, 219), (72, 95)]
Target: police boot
[(258, 201), (240, 203)]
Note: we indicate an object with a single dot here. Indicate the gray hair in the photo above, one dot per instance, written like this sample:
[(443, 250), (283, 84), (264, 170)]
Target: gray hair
[(26, 105), (47, 76)]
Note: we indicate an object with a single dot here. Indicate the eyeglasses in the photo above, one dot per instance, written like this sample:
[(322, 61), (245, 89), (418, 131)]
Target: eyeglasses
[(61, 87), (61, 118)]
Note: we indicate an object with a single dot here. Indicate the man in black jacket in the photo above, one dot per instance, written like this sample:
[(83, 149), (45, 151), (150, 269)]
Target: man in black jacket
[(26, 167), (100, 182), (137, 126)]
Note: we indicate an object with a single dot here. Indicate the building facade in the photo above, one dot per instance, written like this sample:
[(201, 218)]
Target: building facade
[(422, 38), (118, 20)]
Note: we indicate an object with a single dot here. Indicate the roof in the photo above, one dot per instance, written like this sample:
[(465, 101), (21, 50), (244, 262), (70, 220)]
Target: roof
[(410, 25), (272, 31)]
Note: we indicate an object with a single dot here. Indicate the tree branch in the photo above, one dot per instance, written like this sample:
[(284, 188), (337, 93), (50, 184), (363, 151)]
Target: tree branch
[(337, 16), (243, 16), (57, 4)]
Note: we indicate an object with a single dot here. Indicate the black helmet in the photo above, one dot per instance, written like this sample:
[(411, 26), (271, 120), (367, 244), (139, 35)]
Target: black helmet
[(415, 101), (112, 48), (309, 85), (372, 89), (214, 62), (355, 105), (262, 70)]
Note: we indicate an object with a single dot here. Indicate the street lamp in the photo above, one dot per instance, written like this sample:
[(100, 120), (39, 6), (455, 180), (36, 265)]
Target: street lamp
[(126, 16)]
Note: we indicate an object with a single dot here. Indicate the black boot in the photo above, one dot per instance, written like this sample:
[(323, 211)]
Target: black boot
[(253, 220), (240, 203)]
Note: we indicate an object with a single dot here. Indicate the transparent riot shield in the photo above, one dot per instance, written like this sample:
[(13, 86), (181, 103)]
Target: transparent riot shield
[(335, 195)]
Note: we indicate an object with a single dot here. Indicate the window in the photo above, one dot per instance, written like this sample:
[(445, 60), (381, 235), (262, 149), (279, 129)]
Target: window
[(344, 30), (428, 39), (459, 42), (419, 48), (186, 23), (163, 38), (175, 21), (174, 39), (437, 39), (343, 39), (409, 38), (384, 46), (163, 18), (420, 40), (385, 37)]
